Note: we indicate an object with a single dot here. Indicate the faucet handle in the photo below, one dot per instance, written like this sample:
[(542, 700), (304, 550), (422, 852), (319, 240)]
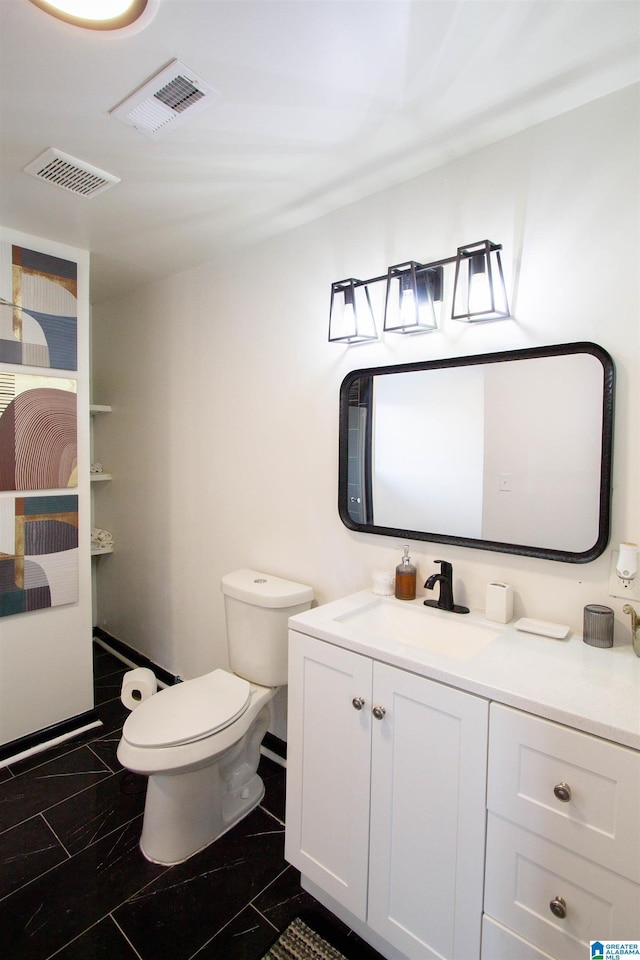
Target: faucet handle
[(635, 627), (445, 568)]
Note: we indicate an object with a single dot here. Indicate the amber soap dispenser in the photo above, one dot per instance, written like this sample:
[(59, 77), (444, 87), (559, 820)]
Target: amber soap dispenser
[(405, 578)]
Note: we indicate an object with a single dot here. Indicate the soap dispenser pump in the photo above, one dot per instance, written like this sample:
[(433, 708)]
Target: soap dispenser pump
[(405, 578)]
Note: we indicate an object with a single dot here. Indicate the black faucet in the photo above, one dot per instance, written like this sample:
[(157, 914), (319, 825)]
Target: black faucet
[(445, 579)]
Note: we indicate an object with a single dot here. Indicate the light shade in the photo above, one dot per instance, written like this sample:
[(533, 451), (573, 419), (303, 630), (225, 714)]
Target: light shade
[(414, 293), (351, 317), (479, 292), (95, 14)]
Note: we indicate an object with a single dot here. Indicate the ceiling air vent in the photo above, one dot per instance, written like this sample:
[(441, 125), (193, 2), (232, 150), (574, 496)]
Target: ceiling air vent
[(165, 101), (72, 174)]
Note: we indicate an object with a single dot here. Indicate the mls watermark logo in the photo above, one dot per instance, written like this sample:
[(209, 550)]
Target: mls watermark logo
[(614, 949)]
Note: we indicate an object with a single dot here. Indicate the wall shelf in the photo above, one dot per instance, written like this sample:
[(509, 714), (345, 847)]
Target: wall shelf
[(96, 409), (97, 552)]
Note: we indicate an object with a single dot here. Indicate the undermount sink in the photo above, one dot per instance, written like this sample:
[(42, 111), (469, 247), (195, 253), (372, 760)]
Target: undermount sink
[(449, 634)]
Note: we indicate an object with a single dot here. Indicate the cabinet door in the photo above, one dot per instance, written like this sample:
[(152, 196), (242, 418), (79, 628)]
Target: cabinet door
[(328, 768), (427, 816)]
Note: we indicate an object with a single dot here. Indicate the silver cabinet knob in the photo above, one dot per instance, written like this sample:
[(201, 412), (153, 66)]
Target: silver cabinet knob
[(562, 792), (379, 712), (358, 703), (558, 907)]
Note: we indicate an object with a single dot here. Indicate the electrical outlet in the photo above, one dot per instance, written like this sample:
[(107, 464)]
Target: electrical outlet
[(626, 589)]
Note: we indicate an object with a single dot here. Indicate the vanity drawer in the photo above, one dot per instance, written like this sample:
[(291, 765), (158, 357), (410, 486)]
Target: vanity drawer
[(570, 787), (525, 873), (498, 943)]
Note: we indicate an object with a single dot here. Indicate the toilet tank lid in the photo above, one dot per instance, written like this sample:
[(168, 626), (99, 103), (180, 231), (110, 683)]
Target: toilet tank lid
[(263, 590)]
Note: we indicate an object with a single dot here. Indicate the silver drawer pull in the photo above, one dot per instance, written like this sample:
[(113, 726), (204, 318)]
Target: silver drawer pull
[(378, 712), (358, 703), (563, 792), (558, 907)]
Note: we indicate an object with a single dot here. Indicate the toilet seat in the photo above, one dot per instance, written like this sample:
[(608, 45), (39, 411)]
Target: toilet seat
[(188, 711)]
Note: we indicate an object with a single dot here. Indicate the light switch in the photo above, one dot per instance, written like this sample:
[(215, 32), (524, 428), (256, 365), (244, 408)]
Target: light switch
[(505, 483)]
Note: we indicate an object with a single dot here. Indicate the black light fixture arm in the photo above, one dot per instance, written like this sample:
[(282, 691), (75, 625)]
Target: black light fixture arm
[(465, 255)]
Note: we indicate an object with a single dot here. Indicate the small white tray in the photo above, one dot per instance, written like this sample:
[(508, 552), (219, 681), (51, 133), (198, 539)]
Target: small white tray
[(557, 631)]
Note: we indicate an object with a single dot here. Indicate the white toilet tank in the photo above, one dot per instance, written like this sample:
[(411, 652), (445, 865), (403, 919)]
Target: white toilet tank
[(257, 609)]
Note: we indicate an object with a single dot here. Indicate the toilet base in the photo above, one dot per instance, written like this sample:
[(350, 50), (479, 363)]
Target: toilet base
[(185, 812)]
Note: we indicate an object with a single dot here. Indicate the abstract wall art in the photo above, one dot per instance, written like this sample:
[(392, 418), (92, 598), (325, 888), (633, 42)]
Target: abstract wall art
[(38, 432), (38, 326), (38, 553)]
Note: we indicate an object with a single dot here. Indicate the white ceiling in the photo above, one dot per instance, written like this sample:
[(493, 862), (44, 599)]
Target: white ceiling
[(322, 102)]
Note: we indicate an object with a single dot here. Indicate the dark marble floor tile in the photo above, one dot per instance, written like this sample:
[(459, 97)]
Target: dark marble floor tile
[(34, 791), (109, 687), (106, 748), (273, 776), (50, 912), (113, 714), (50, 753), (284, 899), (97, 811), (247, 937), (104, 663), (210, 889), (26, 851), (104, 941), (358, 948), (5, 774)]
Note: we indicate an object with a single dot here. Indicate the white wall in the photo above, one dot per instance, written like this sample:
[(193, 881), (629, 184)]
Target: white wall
[(223, 439), (46, 673)]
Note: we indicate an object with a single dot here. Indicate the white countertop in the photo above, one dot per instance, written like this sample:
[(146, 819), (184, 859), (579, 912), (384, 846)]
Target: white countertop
[(593, 689)]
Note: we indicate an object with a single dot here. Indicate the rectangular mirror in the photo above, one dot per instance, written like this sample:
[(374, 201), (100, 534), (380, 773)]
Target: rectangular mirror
[(503, 451)]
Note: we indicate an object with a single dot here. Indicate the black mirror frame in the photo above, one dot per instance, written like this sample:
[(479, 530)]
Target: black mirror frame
[(565, 349)]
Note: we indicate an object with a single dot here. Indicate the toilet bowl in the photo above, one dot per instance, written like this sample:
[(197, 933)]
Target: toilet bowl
[(199, 741), (199, 744)]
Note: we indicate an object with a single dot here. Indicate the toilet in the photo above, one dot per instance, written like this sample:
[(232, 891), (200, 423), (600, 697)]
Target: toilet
[(199, 741)]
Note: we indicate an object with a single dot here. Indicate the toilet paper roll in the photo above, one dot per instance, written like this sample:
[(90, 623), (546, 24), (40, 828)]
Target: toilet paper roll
[(138, 685)]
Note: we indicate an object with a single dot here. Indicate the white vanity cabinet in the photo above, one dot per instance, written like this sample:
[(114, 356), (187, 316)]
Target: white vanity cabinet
[(563, 840), (386, 797)]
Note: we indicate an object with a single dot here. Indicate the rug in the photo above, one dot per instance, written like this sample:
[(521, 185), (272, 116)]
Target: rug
[(312, 936), (299, 941)]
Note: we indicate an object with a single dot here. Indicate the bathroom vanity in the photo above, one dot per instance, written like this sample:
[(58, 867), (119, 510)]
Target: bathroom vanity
[(460, 789)]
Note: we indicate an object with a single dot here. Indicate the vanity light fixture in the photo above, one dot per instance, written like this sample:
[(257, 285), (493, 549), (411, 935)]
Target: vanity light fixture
[(479, 292), (350, 316), (96, 14), (414, 295)]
